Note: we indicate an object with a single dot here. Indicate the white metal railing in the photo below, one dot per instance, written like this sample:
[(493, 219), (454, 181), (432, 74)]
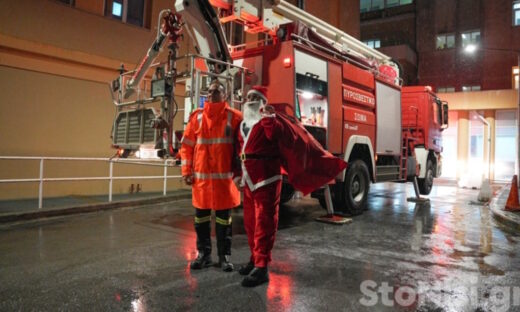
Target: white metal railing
[(161, 163)]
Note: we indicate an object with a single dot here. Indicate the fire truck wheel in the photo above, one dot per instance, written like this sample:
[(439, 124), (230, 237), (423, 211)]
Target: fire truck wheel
[(286, 193), (425, 184), (357, 184)]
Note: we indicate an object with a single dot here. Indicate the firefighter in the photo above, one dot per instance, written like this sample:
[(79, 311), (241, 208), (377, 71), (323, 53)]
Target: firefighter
[(270, 141), (209, 163)]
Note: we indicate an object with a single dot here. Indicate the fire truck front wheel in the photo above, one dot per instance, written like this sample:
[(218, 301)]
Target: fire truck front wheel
[(425, 184), (357, 184)]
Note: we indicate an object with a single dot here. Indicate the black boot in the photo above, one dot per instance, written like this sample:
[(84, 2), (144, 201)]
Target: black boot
[(224, 231), (203, 230), (257, 277), (246, 269), (202, 261), (225, 263)]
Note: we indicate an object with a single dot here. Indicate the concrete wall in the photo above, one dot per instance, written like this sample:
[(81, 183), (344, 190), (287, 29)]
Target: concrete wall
[(55, 65), (482, 100)]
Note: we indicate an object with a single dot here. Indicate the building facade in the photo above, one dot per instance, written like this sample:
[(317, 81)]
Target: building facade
[(57, 58), (468, 51)]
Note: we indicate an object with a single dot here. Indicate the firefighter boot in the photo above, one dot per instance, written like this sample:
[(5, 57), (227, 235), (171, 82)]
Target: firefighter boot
[(203, 230), (257, 277), (202, 261), (246, 269), (224, 231)]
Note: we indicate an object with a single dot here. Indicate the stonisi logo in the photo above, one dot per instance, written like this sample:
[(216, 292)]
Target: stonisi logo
[(448, 294)]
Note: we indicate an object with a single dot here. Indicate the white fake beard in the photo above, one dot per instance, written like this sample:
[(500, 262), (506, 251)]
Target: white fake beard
[(252, 113)]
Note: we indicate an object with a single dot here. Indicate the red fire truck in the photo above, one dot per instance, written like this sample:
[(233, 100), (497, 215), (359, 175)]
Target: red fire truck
[(347, 95), (424, 117)]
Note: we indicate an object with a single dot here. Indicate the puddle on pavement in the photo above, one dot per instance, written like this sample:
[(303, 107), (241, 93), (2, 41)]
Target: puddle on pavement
[(290, 215), (185, 222)]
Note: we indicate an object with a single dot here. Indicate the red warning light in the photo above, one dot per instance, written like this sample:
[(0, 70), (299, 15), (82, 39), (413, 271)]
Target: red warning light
[(287, 62)]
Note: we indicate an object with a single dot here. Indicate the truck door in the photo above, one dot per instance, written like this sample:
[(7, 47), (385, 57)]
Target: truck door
[(445, 114)]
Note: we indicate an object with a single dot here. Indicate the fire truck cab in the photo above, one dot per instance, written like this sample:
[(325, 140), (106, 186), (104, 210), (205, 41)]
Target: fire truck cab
[(425, 116)]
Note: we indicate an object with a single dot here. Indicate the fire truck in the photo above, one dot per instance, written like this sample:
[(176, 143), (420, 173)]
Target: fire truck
[(347, 95)]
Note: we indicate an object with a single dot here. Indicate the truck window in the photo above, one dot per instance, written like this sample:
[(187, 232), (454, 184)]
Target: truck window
[(437, 111), (311, 90)]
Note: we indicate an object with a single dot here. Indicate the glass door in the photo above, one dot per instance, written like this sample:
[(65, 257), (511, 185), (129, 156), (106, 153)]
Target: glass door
[(505, 144), (449, 147)]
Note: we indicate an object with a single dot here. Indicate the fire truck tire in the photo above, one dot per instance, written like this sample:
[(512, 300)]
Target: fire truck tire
[(425, 184), (286, 193), (356, 186)]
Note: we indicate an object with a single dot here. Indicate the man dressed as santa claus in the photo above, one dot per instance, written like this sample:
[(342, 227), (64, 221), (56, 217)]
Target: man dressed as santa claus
[(269, 141)]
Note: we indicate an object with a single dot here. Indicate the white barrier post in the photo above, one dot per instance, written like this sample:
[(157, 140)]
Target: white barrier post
[(165, 176), (40, 191), (110, 181)]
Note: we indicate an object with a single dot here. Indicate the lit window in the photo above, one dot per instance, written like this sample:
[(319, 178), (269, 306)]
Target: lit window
[(128, 11), (445, 41), (392, 3), (365, 5), (470, 88), (445, 89), (117, 9), (377, 5), (470, 37), (374, 44), (373, 5), (516, 13)]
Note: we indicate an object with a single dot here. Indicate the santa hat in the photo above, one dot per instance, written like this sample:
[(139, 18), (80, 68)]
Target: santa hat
[(259, 91)]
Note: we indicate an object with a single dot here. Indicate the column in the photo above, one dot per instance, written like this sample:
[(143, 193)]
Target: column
[(489, 147), (462, 142)]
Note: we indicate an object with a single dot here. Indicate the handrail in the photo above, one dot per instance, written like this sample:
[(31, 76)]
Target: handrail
[(161, 163)]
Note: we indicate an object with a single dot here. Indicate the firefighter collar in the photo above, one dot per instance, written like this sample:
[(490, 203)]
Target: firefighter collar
[(214, 109)]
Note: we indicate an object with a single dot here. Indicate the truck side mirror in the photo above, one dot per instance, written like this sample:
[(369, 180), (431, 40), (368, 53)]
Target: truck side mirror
[(445, 115)]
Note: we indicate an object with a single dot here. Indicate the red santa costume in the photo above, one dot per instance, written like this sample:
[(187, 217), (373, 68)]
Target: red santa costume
[(268, 142)]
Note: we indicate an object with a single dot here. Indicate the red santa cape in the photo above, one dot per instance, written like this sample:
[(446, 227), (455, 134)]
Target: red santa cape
[(307, 164)]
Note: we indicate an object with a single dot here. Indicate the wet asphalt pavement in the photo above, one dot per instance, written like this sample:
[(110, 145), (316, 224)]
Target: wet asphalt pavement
[(446, 256)]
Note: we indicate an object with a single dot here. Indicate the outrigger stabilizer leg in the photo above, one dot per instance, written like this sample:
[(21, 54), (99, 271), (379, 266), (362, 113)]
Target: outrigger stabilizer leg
[(330, 217), (417, 199)]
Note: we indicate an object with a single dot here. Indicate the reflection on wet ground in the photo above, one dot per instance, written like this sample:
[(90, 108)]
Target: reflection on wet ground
[(443, 256), (291, 214)]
